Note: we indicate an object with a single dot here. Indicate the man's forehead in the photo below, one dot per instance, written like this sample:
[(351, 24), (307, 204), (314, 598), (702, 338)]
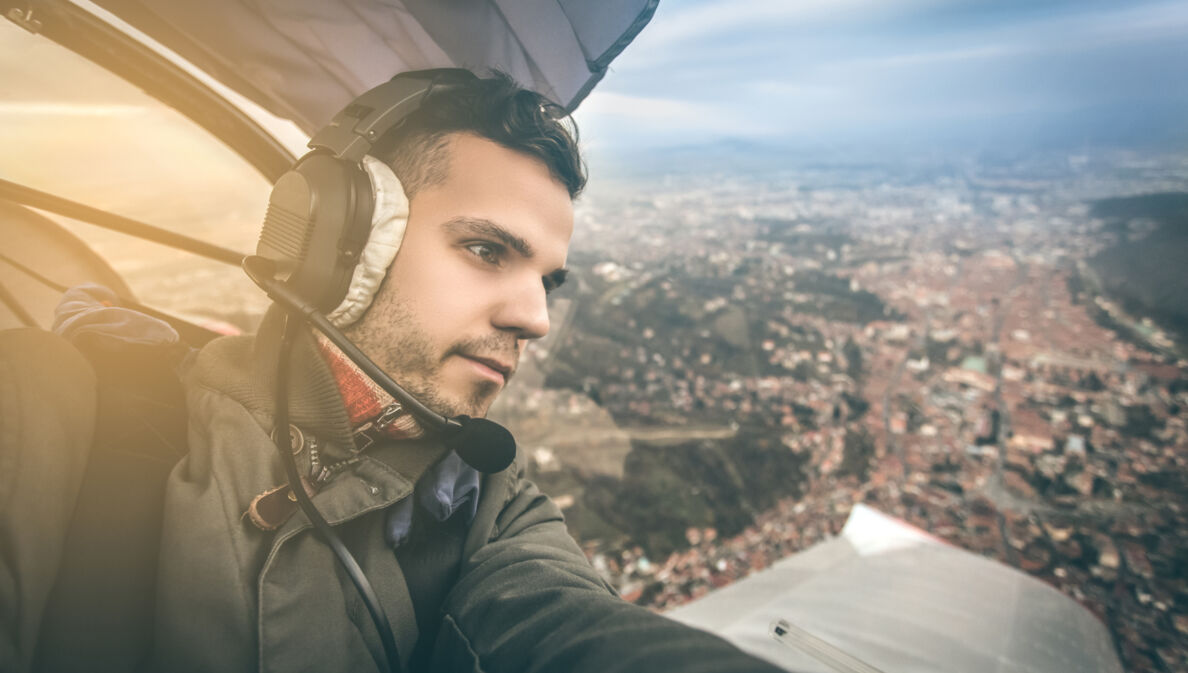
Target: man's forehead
[(503, 193), (464, 154)]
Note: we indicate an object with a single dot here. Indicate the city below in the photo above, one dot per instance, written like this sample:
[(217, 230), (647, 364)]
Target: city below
[(744, 355)]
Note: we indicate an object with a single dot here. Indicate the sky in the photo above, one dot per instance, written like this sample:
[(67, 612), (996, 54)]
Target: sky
[(886, 71)]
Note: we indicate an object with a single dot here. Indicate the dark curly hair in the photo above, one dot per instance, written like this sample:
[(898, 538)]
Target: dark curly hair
[(495, 108)]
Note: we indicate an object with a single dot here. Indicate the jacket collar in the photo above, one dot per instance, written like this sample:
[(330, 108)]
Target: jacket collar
[(244, 368)]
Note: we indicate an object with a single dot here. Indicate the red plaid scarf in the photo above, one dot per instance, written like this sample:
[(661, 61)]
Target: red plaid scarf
[(364, 399)]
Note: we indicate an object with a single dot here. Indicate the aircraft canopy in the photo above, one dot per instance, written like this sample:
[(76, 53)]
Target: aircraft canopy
[(305, 59)]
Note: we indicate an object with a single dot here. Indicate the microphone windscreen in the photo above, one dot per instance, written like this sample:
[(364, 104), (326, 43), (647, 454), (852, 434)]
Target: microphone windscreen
[(482, 444)]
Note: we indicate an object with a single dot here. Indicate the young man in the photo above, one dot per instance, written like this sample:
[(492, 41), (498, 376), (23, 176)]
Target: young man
[(474, 573)]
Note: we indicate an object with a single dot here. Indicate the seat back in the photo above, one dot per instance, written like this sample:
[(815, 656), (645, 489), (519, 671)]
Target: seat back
[(99, 615)]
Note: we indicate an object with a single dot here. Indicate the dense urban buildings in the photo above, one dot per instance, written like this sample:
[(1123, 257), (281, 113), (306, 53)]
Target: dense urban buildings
[(745, 355)]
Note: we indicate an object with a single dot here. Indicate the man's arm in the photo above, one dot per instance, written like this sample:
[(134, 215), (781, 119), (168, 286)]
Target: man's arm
[(530, 601)]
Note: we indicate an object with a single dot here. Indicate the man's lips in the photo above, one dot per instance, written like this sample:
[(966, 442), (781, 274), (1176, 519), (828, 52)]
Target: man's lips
[(501, 368)]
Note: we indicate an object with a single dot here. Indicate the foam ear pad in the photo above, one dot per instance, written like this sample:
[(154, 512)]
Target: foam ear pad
[(388, 221)]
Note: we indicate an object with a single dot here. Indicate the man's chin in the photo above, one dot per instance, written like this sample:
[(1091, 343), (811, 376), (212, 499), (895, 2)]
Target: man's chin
[(479, 405), (473, 403)]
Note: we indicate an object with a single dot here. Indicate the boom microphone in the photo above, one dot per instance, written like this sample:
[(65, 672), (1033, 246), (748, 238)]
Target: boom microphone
[(481, 443)]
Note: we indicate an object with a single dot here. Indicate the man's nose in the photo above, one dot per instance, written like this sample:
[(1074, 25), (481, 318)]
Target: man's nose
[(524, 311)]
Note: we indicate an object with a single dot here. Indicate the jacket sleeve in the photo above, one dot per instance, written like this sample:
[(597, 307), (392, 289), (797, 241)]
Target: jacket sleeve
[(529, 601)]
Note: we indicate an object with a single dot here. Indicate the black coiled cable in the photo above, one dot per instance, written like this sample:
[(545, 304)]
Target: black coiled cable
[(323, 529)]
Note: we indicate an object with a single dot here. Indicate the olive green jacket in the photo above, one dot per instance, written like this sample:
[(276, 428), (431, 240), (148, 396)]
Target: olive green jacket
[(512, 593)]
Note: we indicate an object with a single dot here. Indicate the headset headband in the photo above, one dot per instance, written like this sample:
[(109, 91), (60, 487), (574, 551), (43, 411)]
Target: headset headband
[(357, 127)]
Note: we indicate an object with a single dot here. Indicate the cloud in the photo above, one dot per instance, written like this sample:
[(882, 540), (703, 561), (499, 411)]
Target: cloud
[(679, 31), (715, 18), (931, 58), (619, 119), (746, 67), (1135, 23), (775, 88), (677, 114), (1088, 31)]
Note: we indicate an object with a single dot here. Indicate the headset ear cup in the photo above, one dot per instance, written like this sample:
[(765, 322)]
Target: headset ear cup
[(320, 213), (319, 216), (389, 218)]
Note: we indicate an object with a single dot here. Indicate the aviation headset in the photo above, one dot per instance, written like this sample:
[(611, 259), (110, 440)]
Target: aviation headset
[(318, 222), (319, 213)]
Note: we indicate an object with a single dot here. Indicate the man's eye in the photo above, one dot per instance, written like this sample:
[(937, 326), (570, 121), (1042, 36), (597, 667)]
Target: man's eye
[(554, 280), (486, 252)]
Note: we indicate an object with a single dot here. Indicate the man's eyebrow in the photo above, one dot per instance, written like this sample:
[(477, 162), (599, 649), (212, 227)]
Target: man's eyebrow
[(477, 226)]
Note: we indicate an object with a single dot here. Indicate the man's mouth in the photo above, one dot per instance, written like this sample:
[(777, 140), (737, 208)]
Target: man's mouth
[(488, 365)]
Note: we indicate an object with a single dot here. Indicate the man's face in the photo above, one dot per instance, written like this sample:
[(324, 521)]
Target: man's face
[(467, 288)]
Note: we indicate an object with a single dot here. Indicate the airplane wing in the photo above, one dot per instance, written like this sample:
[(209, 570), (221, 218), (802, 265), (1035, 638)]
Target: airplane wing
[(886, 597)]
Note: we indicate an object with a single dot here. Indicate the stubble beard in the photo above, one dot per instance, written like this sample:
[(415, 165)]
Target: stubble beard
[(404, 351)]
